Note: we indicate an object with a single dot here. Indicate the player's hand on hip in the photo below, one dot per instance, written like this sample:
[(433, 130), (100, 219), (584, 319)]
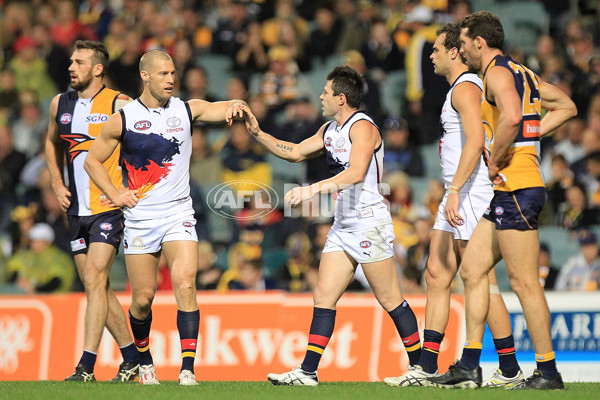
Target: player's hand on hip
[(451, 210)]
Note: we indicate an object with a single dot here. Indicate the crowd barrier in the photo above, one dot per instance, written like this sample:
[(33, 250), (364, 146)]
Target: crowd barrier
[(245, 336)]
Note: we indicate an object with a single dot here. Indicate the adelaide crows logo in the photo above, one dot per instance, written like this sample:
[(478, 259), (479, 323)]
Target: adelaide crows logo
[(78, 143)]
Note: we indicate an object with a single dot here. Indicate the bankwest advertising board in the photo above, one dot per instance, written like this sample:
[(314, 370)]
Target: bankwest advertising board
[(242, 336)]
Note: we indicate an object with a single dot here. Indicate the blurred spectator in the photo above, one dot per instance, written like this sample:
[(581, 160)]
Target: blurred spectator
[(582, 272), (575, 213), (24, 218), (400, 196), (571, 147), (123, 73), (205, 165), (251, 277), (183, 58), (243, 158), (371, 101), (252, 54), (291, 276), (590, 142), (208, 274), (228, 35), (381, 53), (432, 199), (115, 39), (548, 271), (57, 219), (161, 34), (195, 29), (560, 180), (357, 18), (237, 88), (325, 37), (592, 177), (400, 154), (545, 48), (195, 84), (418, 254), (57, 59), (282, 82), (67, 29), (30, 70), (425, 90), (11, 164), (43, 268), (96, 15), (8, 93), (30, 126)]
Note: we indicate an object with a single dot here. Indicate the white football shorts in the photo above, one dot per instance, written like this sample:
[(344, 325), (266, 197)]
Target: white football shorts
[(364, 246), (471, 208), (146, 236)]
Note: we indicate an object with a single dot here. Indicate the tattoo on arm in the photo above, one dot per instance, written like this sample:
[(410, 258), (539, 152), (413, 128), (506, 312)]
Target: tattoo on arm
[(284, 147)]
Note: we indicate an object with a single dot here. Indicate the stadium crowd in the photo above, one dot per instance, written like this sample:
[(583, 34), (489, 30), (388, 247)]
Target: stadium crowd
[(275, 54)]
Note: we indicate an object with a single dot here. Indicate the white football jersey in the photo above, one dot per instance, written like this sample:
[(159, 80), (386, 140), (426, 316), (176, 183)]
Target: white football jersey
[(157, 146), (453, 140), (360, 206)]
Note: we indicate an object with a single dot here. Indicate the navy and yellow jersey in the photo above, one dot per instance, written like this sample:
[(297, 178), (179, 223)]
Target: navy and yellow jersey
[(524, 169), (79, 122)]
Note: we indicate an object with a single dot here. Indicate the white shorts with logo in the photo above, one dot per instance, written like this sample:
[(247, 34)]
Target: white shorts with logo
[(471, 208), (364, 246), (148, 235)]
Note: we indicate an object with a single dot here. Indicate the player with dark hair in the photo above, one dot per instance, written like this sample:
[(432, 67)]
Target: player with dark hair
[(513, 98), (76, 119), (362, 231)]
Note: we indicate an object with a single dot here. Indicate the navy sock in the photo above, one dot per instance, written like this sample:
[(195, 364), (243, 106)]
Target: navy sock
[(546, 364), (130, 353), (507, 358), (431, 350), (141, 337), (88, 359), (470, 356), (406, 325), (188, 323), (321, 330)]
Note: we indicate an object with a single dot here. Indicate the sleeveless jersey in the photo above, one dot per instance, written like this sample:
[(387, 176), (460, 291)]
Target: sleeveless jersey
[(157, 146), (524, 169), (79, 122), (453, 140), (360, 206)]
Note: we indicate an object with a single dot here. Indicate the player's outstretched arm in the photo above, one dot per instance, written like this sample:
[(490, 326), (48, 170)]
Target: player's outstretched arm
[(560, 107), (216, 111), (102, 148), (365, 139), (55, 155), (292, 152)]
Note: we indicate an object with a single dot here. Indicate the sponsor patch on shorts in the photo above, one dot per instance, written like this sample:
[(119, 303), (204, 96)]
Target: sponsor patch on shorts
[(78, 244)]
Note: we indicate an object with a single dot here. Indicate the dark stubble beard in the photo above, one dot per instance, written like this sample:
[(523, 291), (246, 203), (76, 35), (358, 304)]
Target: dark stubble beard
[(83, 83)]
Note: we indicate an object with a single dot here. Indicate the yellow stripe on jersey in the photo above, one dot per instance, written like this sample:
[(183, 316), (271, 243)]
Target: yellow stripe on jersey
[(523, 170), (102, 104)]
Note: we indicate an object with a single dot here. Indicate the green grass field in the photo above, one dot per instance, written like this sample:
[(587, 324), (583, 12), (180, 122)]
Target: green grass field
[(52, 390)]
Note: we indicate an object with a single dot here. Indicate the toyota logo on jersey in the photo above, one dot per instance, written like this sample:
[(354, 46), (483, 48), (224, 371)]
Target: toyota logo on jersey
[(65, 118), (142, 125), (365, 244)]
